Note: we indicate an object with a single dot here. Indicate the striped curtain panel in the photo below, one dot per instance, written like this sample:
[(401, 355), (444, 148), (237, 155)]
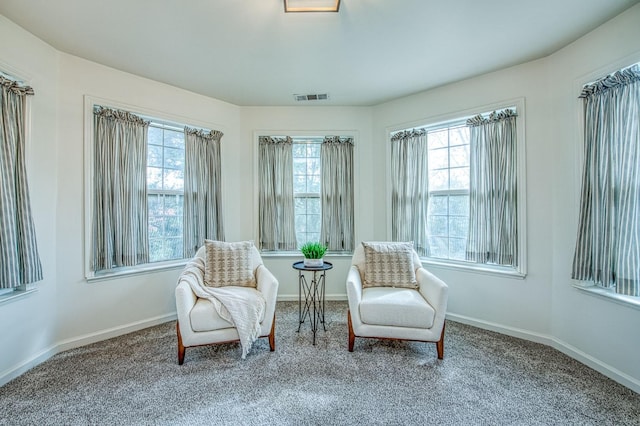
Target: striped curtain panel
[(336, 158), (493, 219), (608, 243), (19, 258), (410, 188), (202, 189), (276, 221), (120, 213)]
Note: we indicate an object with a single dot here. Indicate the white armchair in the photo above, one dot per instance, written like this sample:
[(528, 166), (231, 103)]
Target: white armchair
[(386, 312), (199, 323)]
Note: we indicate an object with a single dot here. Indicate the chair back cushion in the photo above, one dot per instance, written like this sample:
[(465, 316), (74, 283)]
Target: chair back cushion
[(387, 264), (229, 264)]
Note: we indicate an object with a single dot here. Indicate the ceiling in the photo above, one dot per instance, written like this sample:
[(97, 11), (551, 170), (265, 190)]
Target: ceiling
[(250, 53)]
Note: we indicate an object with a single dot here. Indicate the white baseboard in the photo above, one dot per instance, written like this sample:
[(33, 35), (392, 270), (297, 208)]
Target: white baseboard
[(12, 373), (110, 333), (575, 353), (603, 368), (612, 373), (502, 329)]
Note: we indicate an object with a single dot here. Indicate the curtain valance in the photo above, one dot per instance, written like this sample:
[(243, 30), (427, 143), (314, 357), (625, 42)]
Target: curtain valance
[(623, 77), (211, 134), (116, 114), (15, 87), (495, 116), (406, 134)]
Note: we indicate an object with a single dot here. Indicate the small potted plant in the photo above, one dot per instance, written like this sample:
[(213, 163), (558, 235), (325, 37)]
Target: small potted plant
[(313, 253)]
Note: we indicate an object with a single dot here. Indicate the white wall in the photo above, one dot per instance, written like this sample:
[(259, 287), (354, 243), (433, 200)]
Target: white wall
[(29, 323), (68, 311)]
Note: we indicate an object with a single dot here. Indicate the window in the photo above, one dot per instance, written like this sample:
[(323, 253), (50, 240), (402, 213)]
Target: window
[(457, 191), (448, 209), (20, 264), (165, 191), (154, 193), (305, 192), (607, 250), (306, 189)]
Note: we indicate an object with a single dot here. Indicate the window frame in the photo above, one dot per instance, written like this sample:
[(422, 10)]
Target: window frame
[(24, 78), (449, 120), (304, 134), (148, 114), (588, 287)]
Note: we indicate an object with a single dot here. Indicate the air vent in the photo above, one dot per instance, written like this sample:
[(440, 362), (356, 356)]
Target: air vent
[(311, 97)]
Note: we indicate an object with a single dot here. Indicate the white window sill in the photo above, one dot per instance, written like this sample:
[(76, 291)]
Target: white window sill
[(495, 270), (609, 294), (15, 295), (135, 270), (297, 254)]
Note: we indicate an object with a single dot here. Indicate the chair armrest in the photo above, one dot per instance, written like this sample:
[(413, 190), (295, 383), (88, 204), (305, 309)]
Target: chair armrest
[(354, 289), (185, 301), (267, 284), (433, 289)]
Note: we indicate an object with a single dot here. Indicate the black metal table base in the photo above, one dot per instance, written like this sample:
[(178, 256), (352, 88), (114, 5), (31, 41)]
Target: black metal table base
[(312, 307)]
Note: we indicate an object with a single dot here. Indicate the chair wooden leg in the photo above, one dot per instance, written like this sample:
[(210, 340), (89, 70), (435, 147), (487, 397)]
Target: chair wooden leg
[(181, 348), (440, 343), (352, 336), (272, 335)]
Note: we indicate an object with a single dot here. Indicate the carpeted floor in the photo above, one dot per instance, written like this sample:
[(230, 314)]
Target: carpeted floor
[(485, 378)]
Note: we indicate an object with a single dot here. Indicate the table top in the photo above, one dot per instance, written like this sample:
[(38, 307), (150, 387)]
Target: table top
[(300, 266)]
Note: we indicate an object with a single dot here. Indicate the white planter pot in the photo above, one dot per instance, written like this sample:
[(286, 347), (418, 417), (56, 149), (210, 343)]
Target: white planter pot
[(313, 263)]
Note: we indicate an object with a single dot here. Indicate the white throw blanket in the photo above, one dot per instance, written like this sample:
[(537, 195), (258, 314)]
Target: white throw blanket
[(242, 310)]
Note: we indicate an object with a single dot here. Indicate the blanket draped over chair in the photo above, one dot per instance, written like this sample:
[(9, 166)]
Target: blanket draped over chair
[(243, 312)]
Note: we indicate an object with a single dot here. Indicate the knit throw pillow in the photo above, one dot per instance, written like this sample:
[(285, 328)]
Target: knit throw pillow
[(389, 265), (228, 264)]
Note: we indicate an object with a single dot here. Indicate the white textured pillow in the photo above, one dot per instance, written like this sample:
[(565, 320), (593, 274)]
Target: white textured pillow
[(227, 264), (389, 265)]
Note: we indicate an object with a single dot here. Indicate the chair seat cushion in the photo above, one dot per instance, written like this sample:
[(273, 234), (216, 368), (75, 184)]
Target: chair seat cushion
[(395, 307), (204, 316)]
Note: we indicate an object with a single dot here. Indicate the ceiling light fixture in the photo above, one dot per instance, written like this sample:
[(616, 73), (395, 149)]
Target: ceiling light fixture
[(311, 5)]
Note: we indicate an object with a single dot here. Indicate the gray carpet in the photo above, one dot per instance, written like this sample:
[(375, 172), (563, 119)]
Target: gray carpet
[(485, 378)]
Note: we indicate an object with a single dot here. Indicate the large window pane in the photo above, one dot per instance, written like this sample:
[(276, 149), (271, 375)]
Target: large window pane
[(438, 225), (459, 178), (154, 136), (438, 180), (174, 139), (459, 205), (173, 180), (459, 136), (173, 158), (459, 156), (448, 216), (154, 156), (438, 158), (438, 139), (306, 189), (154, 178), (165, 186)]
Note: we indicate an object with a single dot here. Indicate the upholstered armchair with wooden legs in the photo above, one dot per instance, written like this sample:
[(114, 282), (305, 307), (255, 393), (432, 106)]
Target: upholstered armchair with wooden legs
[(200, 324), (405, 309)]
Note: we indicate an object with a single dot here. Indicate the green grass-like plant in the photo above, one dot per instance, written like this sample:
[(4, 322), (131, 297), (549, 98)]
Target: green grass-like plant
[(313, 250)]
